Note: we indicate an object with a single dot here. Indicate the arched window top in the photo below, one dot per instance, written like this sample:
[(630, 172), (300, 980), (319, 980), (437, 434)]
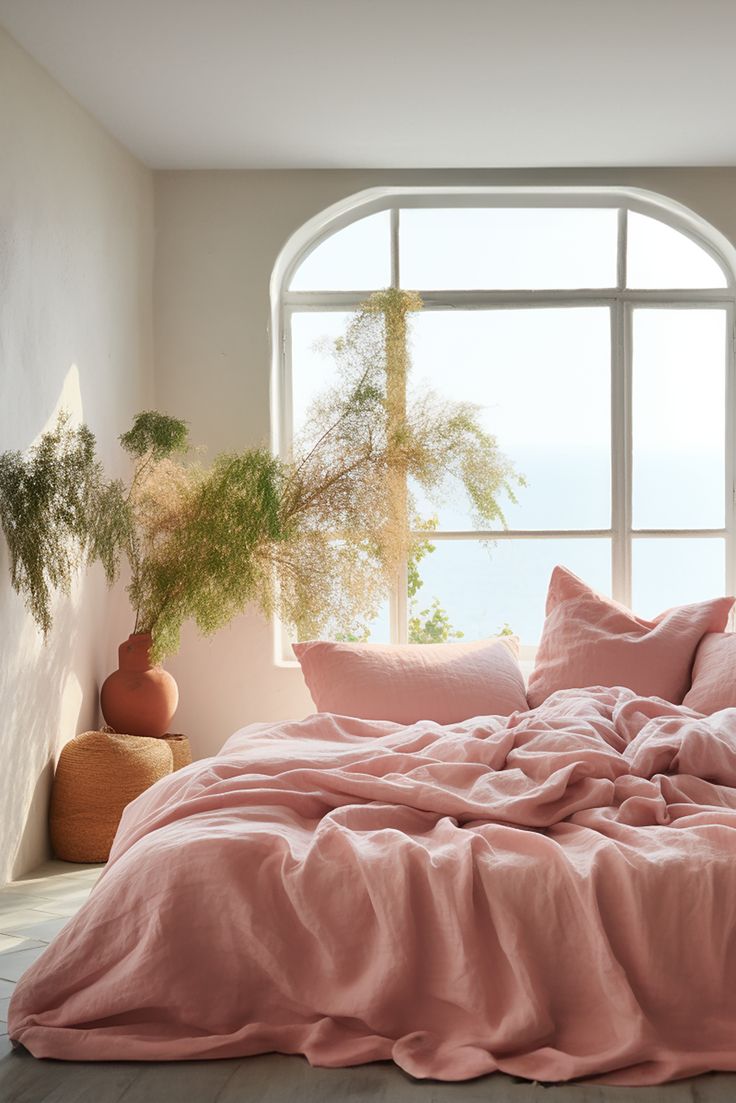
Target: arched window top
[(657, 255), (358, 255), (594, 331), (522, 239)]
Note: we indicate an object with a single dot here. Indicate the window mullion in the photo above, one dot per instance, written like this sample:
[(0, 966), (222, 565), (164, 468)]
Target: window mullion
[(623, 221), (395, 262), (402, 605), (628, 450), (398, 602), (620, 453), (285, 383), (730, 446)]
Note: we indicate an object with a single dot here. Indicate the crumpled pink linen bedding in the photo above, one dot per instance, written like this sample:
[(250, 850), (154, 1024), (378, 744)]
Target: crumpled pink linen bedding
[(552, 895)]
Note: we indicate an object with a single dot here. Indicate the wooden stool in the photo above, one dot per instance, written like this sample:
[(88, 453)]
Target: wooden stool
[(97, 775)]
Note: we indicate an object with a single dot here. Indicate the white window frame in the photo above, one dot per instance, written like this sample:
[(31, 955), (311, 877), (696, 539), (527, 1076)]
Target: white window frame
[(619, 300)]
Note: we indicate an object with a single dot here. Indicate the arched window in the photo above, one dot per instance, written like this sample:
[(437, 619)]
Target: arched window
[(596, 331)]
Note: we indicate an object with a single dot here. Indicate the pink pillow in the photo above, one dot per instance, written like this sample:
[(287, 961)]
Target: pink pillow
[(714, 674), (589, 640), (445, 682)]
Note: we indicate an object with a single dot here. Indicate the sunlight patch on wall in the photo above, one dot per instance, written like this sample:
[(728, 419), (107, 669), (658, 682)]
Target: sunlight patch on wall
[(70, 399), (70, 709)]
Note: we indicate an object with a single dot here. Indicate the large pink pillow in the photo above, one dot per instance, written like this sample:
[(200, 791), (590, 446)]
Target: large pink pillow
[(714, 674), (589, 640), (445, 682)]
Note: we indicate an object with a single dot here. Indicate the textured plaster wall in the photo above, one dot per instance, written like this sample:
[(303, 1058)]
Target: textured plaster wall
[(76, 236)]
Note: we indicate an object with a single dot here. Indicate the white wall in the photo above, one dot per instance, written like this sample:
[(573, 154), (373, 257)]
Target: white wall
[(218, 237), (76, 218)]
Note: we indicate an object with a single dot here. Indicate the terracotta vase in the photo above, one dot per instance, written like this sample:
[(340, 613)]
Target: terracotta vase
[(138, 698)]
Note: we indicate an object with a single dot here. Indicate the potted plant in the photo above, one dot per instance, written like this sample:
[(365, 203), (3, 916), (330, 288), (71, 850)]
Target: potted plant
[(316, 538)]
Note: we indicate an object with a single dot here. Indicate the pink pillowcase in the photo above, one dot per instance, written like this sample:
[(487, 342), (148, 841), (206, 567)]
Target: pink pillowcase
[(589, 640), (445, 682), (714, 674)]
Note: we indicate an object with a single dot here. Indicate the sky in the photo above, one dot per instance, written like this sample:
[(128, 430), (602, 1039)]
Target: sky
[(542, 378)]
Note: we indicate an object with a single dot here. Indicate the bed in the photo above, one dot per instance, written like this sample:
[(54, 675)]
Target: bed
[(549, 893)]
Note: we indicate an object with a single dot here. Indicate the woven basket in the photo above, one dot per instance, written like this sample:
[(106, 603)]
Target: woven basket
[(181, 752), (97, 775)]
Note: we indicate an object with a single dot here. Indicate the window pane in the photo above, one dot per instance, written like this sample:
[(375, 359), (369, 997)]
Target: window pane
[(517, 247), (677, 571), (373, 630), (312, 366), (679, 366), (542, 380), (482, 587), (378, 631), (357, 258), (659, 256)]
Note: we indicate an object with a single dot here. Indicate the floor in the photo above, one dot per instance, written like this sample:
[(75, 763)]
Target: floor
[(33, 910)]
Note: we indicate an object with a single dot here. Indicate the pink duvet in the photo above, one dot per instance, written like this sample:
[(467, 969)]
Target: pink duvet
[(552, 895)]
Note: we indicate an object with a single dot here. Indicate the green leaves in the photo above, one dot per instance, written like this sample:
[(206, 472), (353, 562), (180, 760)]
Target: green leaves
[(317, 539), (156, 435), (58, 513), (217, 555), (432, 625), (200, 542), (366, 441)]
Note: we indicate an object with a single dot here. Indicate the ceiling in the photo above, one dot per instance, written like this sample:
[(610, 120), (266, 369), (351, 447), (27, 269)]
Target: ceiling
[(396, 83)]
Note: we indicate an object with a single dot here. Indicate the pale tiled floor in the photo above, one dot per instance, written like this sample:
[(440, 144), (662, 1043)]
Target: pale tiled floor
[(32, 911)]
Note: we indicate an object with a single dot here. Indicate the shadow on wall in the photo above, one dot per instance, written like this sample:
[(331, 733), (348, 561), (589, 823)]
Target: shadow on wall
[(48, 690)]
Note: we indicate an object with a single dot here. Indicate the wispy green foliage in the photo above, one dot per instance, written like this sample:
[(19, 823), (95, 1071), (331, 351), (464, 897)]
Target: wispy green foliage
[(155, 436), (317, 539), (366, 441), (58, 513), (207, 543)]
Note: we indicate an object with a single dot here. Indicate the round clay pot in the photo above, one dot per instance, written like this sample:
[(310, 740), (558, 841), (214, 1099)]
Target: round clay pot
[(137, 698)]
